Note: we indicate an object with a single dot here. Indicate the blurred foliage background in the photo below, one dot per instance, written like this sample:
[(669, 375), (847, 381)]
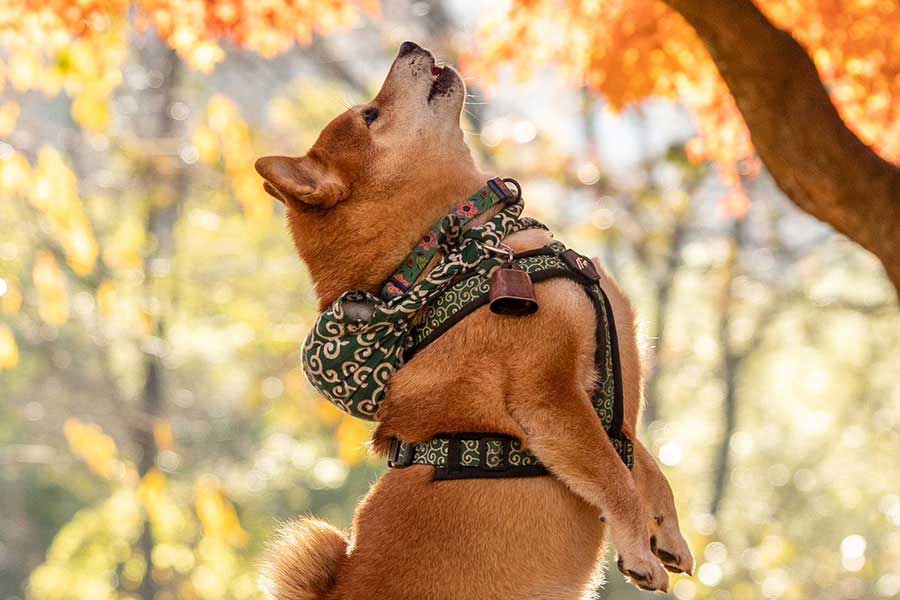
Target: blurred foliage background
[(155, 424)]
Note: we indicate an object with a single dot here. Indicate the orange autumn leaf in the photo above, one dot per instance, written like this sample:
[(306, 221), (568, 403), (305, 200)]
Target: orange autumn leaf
[(80, 46), (632, 50)]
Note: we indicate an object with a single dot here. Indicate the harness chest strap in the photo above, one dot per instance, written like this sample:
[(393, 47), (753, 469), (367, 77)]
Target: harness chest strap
[(468, 456)]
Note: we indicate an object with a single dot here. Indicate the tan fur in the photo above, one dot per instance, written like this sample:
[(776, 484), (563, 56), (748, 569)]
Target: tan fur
[(529, 377), (303, 561)]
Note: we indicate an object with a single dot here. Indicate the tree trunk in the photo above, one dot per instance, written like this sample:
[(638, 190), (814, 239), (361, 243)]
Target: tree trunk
[(163, 181), (806, 146), (731, 361), (663, 305)]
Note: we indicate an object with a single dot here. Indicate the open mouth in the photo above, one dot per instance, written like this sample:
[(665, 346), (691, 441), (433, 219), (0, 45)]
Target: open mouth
[(442, 81)]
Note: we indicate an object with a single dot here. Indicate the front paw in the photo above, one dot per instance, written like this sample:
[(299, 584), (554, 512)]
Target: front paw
[(643, 569), (670, 546)]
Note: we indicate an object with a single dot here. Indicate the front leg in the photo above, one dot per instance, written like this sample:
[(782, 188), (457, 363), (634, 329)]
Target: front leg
[(667, 541), (564, 432)]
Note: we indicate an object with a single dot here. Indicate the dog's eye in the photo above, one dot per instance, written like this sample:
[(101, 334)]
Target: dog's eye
[(369, 115)]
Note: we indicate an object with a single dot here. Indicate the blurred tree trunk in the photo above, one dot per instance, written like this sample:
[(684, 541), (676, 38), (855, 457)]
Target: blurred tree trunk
[(663, 305), (812, 155), (731, 360), (164, 181)]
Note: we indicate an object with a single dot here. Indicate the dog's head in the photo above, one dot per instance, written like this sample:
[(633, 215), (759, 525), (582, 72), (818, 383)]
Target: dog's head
[(409, 131), (378, 176)]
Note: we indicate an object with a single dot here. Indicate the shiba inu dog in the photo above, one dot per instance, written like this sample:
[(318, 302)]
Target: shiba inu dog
[(379, 176)]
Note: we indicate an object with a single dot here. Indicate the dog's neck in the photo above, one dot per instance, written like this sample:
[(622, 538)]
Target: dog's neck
[(359, 243)]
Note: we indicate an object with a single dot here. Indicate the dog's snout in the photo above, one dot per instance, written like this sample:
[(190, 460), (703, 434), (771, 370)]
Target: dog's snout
[(407, 47)]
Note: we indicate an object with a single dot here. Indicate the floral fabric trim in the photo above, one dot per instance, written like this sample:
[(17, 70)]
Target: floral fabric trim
[(399, 283)]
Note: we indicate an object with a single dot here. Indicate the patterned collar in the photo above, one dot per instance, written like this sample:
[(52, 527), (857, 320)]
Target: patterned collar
[(494, 192)]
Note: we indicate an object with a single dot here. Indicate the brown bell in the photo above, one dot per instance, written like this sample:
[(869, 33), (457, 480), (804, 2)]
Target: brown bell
[(512, 292)]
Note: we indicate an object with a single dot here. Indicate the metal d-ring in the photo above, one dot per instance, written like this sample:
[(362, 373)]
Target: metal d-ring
[(517, 186), (501, 249)]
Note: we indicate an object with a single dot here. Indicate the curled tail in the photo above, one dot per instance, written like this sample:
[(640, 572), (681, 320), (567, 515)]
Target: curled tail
[(302, 562)]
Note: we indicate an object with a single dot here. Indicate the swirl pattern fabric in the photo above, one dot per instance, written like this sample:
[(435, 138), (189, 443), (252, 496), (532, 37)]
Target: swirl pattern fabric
[(350, 359)]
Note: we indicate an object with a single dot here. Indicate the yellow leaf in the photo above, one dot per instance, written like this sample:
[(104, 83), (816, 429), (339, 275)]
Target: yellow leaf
[(15, 174), (162, 433), (106, 298), (95, 448), (9, 350), (24, 69), (81, 248), (327, 413), (53, 190), (11, 300), (53, 300), (206, 144), (217, 514), (146, 321), (123, 250), (204, 56), (257, 204), (91, 111), (9, 115), (352, 436), (220, 113), (152, 489)]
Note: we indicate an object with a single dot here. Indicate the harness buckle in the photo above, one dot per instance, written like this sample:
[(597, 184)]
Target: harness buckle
[(581, 264), (400, 454), (495, 462)]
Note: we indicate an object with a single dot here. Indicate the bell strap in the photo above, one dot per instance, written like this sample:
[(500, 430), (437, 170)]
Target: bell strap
[(468, 456), (481, 456)]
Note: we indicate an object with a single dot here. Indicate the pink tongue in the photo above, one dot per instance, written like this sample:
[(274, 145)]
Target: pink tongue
[(436, 70)]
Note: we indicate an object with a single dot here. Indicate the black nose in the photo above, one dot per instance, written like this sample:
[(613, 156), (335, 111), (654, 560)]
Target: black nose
[(407, 47)]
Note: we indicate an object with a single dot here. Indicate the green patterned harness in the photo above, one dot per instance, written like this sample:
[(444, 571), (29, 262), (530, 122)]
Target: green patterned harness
[(362, 339)]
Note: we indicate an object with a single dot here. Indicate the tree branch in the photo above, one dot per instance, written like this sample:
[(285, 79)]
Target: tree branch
[(811, 153)]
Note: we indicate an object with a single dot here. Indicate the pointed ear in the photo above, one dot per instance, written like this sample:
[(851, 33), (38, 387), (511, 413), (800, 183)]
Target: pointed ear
[(301, 182)]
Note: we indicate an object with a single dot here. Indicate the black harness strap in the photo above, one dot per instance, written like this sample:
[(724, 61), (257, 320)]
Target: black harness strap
[(468, 456), (459, 456)]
